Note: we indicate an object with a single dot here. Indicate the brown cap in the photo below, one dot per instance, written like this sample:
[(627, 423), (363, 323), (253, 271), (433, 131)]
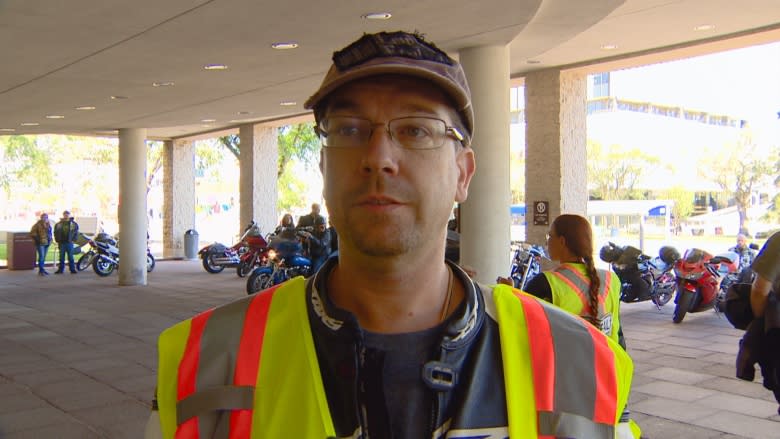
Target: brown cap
[(398, 53)]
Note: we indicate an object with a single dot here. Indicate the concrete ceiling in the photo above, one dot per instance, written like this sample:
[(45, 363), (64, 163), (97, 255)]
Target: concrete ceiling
[(56, 56)]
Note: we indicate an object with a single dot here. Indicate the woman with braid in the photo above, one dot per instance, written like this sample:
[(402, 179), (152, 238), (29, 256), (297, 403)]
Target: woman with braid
[(576, 285)]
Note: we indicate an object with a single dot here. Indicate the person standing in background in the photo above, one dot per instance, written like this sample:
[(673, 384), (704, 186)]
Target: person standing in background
[(41, 235), (65, 233)]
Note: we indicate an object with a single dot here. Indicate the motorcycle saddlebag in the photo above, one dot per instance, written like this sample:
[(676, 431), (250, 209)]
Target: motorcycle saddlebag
[(668, 254), (737, 305)]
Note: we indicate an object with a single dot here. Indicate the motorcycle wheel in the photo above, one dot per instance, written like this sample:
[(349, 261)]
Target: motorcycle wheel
[(102, 266), (683, 304), (150, 263), (209, 265), (85, 261), (663, 297), (244, 268), (258, 281)]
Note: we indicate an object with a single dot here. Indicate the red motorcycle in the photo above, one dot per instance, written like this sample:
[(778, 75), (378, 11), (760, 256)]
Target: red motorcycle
[(255, 254), (250, 250), (699, 275)]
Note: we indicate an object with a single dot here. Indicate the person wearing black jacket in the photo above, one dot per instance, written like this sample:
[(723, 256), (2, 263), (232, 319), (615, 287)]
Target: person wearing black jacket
[(318, 242), (65, 233)]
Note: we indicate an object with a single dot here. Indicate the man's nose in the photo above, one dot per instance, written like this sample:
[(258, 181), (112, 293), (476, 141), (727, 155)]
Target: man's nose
[(380, 153)]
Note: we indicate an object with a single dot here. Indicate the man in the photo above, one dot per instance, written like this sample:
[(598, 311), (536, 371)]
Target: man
[(319, 243), (761, 343), (746, 254), (309, 219), (65, 233), (41, 235), (388, 339)]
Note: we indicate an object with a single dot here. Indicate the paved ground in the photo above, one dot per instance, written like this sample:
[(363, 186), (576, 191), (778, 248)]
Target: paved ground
[(78, 355)]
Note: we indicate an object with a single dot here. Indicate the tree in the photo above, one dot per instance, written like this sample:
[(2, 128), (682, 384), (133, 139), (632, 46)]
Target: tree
[(739, 171), (296, 142), (23, 163), (614, 171), (683, 202)]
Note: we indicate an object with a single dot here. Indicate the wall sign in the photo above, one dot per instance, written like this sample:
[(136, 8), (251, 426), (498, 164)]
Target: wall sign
[(541, 213)]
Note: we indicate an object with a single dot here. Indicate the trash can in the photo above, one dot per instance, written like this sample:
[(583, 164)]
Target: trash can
[(21, 251), (191, 244)]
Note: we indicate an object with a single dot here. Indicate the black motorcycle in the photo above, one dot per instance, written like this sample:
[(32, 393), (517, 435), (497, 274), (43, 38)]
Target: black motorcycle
[(526, 263), (106, 258), (643, 277)]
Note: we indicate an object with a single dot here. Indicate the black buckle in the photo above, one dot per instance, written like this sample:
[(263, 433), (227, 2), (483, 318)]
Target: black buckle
[(439, 376)]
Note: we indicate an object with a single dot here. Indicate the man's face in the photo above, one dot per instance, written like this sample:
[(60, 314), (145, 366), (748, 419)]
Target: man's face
[(386, 200)]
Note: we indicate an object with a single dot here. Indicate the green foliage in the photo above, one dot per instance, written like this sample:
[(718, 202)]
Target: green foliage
[(683, 202), (297, 143), (23, 163), (614, 171), (740, 169)]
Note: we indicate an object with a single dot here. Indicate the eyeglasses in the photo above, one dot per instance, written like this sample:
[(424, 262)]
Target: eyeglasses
[(406, 132)]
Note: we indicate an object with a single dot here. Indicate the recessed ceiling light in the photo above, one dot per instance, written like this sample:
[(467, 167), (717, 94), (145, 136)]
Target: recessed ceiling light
[(609, 47), (284, 46), (7, 130), (704, 27), (29, 124), (163, 84), (215, 67), (117, 97), (208, 120), (55, 116), (288, 103), (85, 108), (533, 61), (377, 16)]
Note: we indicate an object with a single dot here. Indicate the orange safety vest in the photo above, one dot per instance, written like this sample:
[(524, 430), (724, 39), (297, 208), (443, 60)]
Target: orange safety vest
[(249, 370)]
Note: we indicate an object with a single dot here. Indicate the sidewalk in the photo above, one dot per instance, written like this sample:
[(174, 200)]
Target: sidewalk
[(78, 358)]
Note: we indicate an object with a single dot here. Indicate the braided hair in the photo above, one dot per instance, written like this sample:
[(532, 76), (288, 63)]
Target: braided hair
[(577, 233)]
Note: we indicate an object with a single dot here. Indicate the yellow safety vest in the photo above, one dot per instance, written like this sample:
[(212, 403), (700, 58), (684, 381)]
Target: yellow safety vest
[(249, 370), (569, 284)]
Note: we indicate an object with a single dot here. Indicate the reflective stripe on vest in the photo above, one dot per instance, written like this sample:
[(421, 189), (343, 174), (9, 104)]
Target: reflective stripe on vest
[(216, 397), (580, 284), (578, 382)]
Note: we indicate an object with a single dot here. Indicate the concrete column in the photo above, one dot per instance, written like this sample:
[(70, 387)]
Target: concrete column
[(258, 163), (132, 206), (178, 195), (485, 220), (555, 165)]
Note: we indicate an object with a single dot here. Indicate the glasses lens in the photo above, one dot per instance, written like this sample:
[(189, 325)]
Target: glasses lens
[(418, 132), (344, 132)]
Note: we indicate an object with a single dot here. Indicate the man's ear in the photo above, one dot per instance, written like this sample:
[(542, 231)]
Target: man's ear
[(466, 165)]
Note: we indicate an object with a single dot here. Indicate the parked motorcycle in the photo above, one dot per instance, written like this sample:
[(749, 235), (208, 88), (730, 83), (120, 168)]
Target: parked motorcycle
[(217, 256), (285, 261), (743, 275), (106, 258), (699, 276), (642, 277), (86, 258), (255, 255), (526, 263)]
